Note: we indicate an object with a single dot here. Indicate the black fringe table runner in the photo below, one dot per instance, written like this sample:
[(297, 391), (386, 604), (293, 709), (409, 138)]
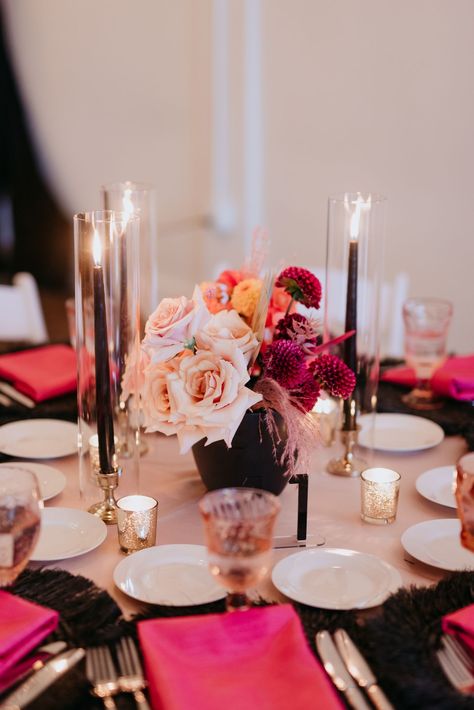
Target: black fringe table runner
[(399, 639)]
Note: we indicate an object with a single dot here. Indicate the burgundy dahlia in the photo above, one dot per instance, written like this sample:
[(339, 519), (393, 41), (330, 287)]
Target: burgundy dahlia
[(307, 393), (284, 361), (302, 285), (334, 375)]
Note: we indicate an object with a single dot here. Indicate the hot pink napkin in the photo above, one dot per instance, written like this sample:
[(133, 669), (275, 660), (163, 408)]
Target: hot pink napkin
[(23, 626), (461, 624), (250, 659), (41, 373), (454, 379)]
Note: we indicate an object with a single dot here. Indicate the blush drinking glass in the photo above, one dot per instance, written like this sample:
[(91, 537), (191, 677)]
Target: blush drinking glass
[(238, 525), (426, 323), (19, 521)]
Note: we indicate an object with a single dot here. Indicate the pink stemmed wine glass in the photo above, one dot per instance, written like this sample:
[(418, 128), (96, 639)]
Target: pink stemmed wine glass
[(238, 525), (426, 323), (19, 521)]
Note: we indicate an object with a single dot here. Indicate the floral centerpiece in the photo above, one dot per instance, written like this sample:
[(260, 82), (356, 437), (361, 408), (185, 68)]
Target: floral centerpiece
[(239, 344)]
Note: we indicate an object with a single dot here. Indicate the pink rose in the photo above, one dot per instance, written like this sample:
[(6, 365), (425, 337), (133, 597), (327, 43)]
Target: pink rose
[(173, 325), (205, 396), (226, 331)]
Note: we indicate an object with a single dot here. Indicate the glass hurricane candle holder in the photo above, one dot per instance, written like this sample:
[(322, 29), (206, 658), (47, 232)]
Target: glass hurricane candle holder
[(139, 198), (107, 341), (238, 526), (354, 265), (379, 489)]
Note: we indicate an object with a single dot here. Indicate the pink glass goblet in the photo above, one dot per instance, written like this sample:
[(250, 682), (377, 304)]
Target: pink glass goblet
[(238, 525), (426, 323)]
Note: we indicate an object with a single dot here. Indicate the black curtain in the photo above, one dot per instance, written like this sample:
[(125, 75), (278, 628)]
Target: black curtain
[(38, 237)]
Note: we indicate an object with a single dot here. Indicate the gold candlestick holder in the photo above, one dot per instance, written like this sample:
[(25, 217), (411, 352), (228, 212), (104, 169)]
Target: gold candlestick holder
[(348, 464), (106, 509)]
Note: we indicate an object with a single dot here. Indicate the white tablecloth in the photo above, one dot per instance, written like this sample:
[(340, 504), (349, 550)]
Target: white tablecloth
[(334, 510)]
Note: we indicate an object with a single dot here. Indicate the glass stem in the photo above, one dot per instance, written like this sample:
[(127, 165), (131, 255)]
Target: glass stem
[(237, 601)]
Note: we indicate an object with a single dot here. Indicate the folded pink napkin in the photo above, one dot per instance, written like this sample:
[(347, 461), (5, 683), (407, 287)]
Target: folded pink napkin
[(250, 659), (454, 379), (41, 373), (23, 626), (461, 624)]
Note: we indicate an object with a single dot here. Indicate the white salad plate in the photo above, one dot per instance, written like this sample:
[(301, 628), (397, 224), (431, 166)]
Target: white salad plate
[(38, 438), (437, 543), (437, 485), (335, 578), (398, 433), (67, 532), (172, 575), (50, 481)]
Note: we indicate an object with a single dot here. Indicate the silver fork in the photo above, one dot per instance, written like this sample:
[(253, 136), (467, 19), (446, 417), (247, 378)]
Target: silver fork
[(456, 664), (101, 673), (131, 678)]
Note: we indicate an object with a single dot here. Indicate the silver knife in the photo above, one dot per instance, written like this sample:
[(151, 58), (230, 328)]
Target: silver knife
[(335, 668), (22, 669), (37, 683), (360, 670), (21, 398)]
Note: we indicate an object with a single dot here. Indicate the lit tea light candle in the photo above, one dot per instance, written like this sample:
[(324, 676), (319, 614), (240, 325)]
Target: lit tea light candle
[(136, 522), (379, 495)]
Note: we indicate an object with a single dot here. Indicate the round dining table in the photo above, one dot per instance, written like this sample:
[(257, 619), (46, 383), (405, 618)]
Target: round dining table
[(333, 511)]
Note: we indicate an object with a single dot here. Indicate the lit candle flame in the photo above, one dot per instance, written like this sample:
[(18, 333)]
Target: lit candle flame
[(96, 248), (360, 204), (127, 204)]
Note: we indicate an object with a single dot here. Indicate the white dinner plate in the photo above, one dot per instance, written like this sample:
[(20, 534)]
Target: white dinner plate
[(67, 532), (437, 543), (335, 578), (50, 480), (172, 575), (398, 433), (39, 438), (437, 485)]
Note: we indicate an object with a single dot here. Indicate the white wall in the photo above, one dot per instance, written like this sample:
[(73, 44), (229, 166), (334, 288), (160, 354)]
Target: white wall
[(355, 95), (375, 95)]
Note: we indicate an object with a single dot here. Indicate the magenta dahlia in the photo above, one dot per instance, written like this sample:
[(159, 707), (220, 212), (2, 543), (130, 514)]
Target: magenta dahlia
[(302, 285), (284, 361), (307, 393), (334, 375)]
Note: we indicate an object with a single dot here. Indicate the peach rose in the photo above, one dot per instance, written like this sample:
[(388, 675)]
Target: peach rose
[(224, 332), (173, 325), (205, 397)]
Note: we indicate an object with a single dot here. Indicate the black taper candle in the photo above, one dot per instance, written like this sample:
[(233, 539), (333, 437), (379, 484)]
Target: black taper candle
[(350, 345), (105, 425)]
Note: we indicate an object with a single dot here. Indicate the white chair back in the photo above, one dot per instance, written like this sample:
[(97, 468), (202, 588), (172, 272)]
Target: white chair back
[(21, 315)]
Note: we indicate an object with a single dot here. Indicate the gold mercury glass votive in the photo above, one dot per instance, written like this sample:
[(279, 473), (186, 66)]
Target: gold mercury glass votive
[(379, 489), (136, 522)]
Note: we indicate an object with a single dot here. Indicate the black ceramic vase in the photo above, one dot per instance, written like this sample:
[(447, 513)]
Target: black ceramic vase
[(251, 460)]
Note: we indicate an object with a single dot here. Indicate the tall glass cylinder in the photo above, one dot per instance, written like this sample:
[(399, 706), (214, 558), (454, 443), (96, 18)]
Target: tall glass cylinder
[(139, 198), (107, 341), (354, 268)]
